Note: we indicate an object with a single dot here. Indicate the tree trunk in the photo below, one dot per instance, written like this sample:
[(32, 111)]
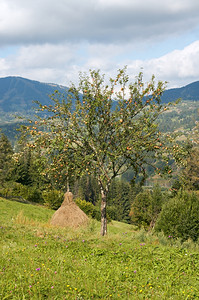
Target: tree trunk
[(103, 214)]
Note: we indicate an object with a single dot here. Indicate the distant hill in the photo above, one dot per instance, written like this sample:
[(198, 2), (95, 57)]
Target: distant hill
[(188, 92), (17, 94)]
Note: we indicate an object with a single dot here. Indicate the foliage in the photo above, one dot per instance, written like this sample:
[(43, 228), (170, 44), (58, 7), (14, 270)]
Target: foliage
[(146, 207), (87, 188), (28, 166), (53, 263), (22, 172), (191, 172), (179, 217), (53, 198), (119, 199), (6, 153), (88, 208), (102, 129), (18, 190)]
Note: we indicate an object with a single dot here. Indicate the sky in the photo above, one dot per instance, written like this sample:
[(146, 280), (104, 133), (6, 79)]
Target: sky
[(53, 41)]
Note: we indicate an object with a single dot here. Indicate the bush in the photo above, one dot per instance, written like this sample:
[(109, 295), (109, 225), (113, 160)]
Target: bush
[(53, 198), (18, 190), (179, 217), (89, 209), (146, 207)]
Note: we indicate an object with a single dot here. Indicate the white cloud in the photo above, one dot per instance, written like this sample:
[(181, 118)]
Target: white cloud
[(37, 21), (56, 40), (62, 63), (178, 67)]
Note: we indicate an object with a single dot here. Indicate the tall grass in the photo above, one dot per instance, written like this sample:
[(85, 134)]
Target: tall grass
[(38, 261)]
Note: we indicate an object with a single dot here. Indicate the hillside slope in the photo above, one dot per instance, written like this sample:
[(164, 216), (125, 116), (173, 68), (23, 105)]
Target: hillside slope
[(189, 92), (17, 94)]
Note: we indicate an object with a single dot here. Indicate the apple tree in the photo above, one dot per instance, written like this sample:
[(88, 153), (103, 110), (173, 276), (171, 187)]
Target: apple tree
[(102, 128)]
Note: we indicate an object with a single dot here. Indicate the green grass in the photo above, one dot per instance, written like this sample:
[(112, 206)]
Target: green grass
[(38, 261)]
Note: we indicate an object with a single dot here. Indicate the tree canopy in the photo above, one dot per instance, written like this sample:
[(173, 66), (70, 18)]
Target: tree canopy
[(6, 153)]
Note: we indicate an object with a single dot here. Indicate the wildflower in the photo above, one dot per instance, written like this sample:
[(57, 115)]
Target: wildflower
[(52, 287), (120, 244), (135, 271), (30, 286), (83, 241), (55, 272), (38, 269)]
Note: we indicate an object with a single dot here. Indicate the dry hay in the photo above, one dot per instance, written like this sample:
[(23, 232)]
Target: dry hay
[(69, 214)]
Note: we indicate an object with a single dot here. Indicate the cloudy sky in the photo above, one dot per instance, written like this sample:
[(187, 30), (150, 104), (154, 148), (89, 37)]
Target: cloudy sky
[(52, 41)]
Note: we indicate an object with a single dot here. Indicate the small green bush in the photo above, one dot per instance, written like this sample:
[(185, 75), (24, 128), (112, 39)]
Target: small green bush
[(87, 207), (179, 217), (53, 198)]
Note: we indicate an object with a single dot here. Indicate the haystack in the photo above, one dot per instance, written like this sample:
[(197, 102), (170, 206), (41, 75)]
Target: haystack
[(69, 214)]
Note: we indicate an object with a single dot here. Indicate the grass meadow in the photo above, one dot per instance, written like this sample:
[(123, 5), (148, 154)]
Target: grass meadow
[(39, 261)]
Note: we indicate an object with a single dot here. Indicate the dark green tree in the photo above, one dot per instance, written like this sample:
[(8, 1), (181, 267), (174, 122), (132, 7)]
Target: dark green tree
[(87, 188), (6, 163), (190, 173), (100, 128), (179, 217), (119, 199), (22, 172), (27, 166), (146, 207)]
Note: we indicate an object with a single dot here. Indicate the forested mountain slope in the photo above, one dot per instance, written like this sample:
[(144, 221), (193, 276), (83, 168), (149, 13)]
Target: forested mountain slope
[(17, 94)]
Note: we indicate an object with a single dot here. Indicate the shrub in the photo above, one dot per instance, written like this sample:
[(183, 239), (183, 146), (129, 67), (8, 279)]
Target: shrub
[(146, 207), (53, 198), (179, 217), (18, 190), (87, 207)]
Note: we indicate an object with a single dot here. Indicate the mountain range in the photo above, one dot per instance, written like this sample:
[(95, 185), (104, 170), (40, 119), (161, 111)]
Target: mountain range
[(17, 94)]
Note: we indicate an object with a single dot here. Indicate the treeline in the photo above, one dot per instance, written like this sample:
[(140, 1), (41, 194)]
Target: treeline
[(174, 211)]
